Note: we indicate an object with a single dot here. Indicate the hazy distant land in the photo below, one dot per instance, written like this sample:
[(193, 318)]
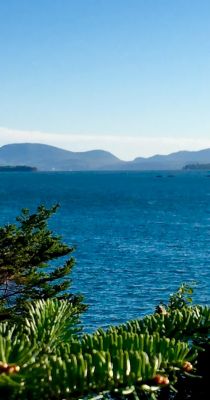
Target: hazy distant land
[(17, 168), (197, 166), (49, 158)]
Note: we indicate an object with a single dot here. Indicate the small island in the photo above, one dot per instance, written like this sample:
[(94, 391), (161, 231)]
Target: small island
[(197, 166), (17, 168)]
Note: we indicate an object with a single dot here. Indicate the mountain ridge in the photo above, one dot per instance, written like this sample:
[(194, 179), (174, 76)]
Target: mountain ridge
[(51, 158), (46, 157)]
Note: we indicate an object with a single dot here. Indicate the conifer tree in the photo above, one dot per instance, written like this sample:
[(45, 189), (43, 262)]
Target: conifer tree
[(27, 272)]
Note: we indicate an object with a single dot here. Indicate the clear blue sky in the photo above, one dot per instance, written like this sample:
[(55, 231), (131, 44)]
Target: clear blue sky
[(131, 76)]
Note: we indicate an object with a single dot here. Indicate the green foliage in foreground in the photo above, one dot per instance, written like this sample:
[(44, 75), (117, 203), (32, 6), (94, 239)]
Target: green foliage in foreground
[(27, 250), (43, 354), (44, 358)]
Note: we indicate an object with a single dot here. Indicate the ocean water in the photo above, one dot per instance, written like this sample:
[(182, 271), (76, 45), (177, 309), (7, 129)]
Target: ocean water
[(138, 235)]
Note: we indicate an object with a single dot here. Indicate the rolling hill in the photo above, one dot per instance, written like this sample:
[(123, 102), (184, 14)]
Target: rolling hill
[(50, 158)]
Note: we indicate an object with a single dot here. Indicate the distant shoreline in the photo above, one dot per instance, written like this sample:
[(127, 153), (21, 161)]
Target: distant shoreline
[(191, 167), (44, 157), (17, 168)]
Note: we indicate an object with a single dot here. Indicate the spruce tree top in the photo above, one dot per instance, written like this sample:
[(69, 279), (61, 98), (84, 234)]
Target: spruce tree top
[(26, 272)]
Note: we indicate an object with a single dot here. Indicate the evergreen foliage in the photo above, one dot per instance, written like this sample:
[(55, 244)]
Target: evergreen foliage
[(27, 250), (42, 357), (43, 354)]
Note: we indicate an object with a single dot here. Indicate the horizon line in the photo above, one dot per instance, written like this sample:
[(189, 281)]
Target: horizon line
[(125, 147)]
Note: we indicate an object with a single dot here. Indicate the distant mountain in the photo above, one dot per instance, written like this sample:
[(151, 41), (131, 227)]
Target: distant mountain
[(172, 161), (50, 158)]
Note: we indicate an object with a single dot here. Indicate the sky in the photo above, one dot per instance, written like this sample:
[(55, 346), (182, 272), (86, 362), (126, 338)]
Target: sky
[(128, 76)]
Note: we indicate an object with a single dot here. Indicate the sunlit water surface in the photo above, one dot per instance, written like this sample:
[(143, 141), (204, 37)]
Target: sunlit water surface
[(138, 235)]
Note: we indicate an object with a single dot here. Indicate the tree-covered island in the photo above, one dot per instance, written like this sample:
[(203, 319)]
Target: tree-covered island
[(197, 166), (17, 168)]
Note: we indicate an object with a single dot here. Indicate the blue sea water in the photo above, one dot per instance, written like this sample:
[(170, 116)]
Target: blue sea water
[(138, 235)]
